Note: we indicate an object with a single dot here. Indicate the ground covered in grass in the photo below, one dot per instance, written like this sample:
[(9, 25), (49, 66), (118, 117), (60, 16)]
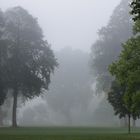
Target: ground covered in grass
[(68, 133)]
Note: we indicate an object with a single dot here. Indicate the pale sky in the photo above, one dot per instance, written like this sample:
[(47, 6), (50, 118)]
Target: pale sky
[(71, 23)]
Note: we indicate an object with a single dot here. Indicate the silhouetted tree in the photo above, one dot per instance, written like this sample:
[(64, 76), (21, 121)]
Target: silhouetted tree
[(108, 46), (30, 61)]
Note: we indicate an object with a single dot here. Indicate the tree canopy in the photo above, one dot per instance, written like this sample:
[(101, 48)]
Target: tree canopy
[(3, 87), (115, 98), (126, 71), (135, 5), (29, 60), (108, 46)]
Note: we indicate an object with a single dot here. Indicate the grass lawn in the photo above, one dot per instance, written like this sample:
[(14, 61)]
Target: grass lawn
[(68, 133)]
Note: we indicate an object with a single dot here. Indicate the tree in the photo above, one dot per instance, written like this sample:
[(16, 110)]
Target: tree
[(30, 61), (3, 49), (108, 46), (126, 69), (135, 5), (1, 23), (115, 98), (127, 73)]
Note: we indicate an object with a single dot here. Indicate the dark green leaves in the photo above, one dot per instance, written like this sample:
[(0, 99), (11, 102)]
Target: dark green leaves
[(135, 5)]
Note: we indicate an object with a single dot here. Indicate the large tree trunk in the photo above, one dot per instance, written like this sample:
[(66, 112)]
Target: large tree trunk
[(14, 115), (129, 124)]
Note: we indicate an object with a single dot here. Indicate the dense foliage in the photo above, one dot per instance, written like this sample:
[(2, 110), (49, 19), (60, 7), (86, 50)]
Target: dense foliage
[(26, 58), (115, 98), (135, 5), (127, 70), (3, 87)]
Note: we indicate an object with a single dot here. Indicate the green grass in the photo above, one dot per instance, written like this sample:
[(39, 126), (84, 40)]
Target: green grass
[(68, 133)]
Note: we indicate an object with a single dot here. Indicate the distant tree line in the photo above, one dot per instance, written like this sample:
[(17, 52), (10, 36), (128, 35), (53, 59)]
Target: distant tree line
[(108, 45), (26, 59)]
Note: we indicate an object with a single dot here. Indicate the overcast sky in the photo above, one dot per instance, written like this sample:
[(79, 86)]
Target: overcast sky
[(71, 23)]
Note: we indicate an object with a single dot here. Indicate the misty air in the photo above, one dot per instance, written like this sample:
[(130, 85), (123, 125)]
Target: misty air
[(69, 69)]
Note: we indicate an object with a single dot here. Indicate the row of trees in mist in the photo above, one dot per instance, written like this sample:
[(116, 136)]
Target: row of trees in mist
[(108, 45), (26, 60), (126, 71), (70, 100), (123, 88)]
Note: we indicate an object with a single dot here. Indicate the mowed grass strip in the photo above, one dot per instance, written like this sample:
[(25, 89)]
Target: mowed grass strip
[(68, 133), (59, 137)]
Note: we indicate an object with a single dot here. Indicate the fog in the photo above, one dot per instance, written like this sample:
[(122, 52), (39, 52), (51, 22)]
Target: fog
[(71, 27), (68, 22), (71, 99)]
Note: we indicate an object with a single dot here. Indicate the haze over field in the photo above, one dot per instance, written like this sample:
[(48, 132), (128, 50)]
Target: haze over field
[(72, 23), (69, 83)]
